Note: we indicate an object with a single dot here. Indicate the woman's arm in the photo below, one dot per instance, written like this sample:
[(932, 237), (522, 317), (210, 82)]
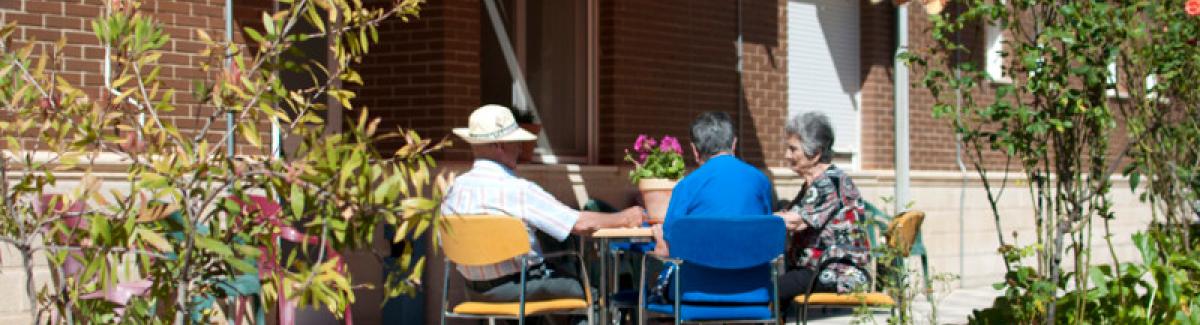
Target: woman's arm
[(793, 221), (820, 205)]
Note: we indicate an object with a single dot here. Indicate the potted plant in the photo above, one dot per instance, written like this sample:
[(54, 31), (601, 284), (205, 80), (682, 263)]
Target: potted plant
[(526, 121), (657, 167)]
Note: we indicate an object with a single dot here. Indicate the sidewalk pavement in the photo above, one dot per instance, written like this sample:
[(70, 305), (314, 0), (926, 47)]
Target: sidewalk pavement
[(952, 308)]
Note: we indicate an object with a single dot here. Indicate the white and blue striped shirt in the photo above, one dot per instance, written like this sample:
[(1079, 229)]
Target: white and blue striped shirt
[(490, 188)]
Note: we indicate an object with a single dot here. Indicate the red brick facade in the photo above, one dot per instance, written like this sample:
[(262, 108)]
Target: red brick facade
[(659, 64), (46, 21), (664, 62), (424, 74), (655, 74)]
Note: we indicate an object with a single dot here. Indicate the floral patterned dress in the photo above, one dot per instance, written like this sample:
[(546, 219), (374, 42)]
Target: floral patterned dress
[(833, 209)]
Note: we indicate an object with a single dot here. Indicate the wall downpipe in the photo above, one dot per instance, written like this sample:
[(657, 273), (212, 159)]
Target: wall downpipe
[(741, 89), (230, 142), (900, 100), (962, 170)]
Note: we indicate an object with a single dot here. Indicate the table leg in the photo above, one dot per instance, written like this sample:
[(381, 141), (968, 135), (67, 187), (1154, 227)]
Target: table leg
[(603, 301)]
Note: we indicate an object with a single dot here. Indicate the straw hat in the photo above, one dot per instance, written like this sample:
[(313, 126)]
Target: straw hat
[(492, 124)]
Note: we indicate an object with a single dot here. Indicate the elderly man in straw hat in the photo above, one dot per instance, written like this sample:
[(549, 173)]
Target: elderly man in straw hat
[(491, 187)]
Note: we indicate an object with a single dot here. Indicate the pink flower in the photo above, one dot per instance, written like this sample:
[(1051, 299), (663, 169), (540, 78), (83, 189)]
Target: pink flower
[(1192, 7), (641, 159), (644, 143), (670, 144)]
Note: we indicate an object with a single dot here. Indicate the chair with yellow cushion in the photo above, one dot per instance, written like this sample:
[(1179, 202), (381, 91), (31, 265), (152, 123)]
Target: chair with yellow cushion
[(901, 233), (476, 240)]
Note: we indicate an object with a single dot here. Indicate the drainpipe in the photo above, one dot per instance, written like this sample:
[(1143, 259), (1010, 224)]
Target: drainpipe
[(276, 137), (900, 100), (741, 87), (229, 130), (962, 170)]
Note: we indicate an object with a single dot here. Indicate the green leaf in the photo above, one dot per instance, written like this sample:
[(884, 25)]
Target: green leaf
[(154, 239), (1134, 179), (268, 23), (151, 180), (297, 200), (241, 265), (214, 245), (250, 133), (254, 35), (232, 207)]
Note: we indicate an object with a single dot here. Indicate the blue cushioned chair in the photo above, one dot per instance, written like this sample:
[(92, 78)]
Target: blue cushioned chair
[(726, 269)]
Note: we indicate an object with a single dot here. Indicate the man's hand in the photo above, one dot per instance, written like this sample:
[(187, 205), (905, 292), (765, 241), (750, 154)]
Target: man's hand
[(793, 221), (633, 216)]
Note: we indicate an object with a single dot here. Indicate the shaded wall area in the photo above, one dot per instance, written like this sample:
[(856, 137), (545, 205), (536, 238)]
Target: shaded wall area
[(664, 62), (424, 73)]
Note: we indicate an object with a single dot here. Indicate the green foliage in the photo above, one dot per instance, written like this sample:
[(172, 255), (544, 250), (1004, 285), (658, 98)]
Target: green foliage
[(896, 277), (1162, 289), (175, 221), (1055, 113)]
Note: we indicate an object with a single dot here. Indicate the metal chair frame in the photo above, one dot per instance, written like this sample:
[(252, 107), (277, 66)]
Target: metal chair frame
[(520, 317), (899, 263), (776, 263)]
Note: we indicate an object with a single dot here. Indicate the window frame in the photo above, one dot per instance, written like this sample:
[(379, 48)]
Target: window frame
[(590, 80)]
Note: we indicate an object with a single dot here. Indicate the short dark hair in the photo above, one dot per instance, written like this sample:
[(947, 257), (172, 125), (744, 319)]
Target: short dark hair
[(712, 132)]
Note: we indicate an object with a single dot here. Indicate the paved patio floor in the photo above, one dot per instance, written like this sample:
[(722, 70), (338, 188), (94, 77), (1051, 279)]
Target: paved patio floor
[(952, 308)]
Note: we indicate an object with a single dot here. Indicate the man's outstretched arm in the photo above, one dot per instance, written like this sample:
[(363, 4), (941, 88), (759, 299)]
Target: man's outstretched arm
[(591, 221)]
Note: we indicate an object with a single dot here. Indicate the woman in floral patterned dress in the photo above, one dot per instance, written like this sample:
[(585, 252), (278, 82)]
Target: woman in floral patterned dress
[(825, 220)]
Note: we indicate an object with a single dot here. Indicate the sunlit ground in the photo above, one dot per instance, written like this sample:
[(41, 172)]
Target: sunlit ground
[(952, 308)]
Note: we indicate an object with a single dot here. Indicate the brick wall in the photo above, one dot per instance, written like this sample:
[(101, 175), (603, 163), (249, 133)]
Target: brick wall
[(931, 140), (764, 83), (877, 39), (424, 74), (44, 22), (664, 62)]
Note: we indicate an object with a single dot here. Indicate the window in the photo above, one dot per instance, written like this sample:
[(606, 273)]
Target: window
[(553, 42), (1113, 89), (994, 53), (1151, 81), (824, 71)]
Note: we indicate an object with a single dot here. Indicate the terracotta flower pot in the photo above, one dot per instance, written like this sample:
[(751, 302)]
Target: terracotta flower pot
[(527, 147), (656, 195)]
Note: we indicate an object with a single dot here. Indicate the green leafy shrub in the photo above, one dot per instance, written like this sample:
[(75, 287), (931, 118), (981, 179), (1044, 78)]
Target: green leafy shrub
[(1081, 80), (175, 222)]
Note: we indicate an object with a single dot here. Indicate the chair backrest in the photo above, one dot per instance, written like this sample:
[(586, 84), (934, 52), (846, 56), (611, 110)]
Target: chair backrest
[(729, 242), (903, 231), (483, 239), (727, 260)]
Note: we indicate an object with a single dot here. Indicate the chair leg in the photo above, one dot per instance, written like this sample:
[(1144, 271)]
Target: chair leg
[(678, 299), (804, 314), (591, 319), (641, 307), (445, 288)]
